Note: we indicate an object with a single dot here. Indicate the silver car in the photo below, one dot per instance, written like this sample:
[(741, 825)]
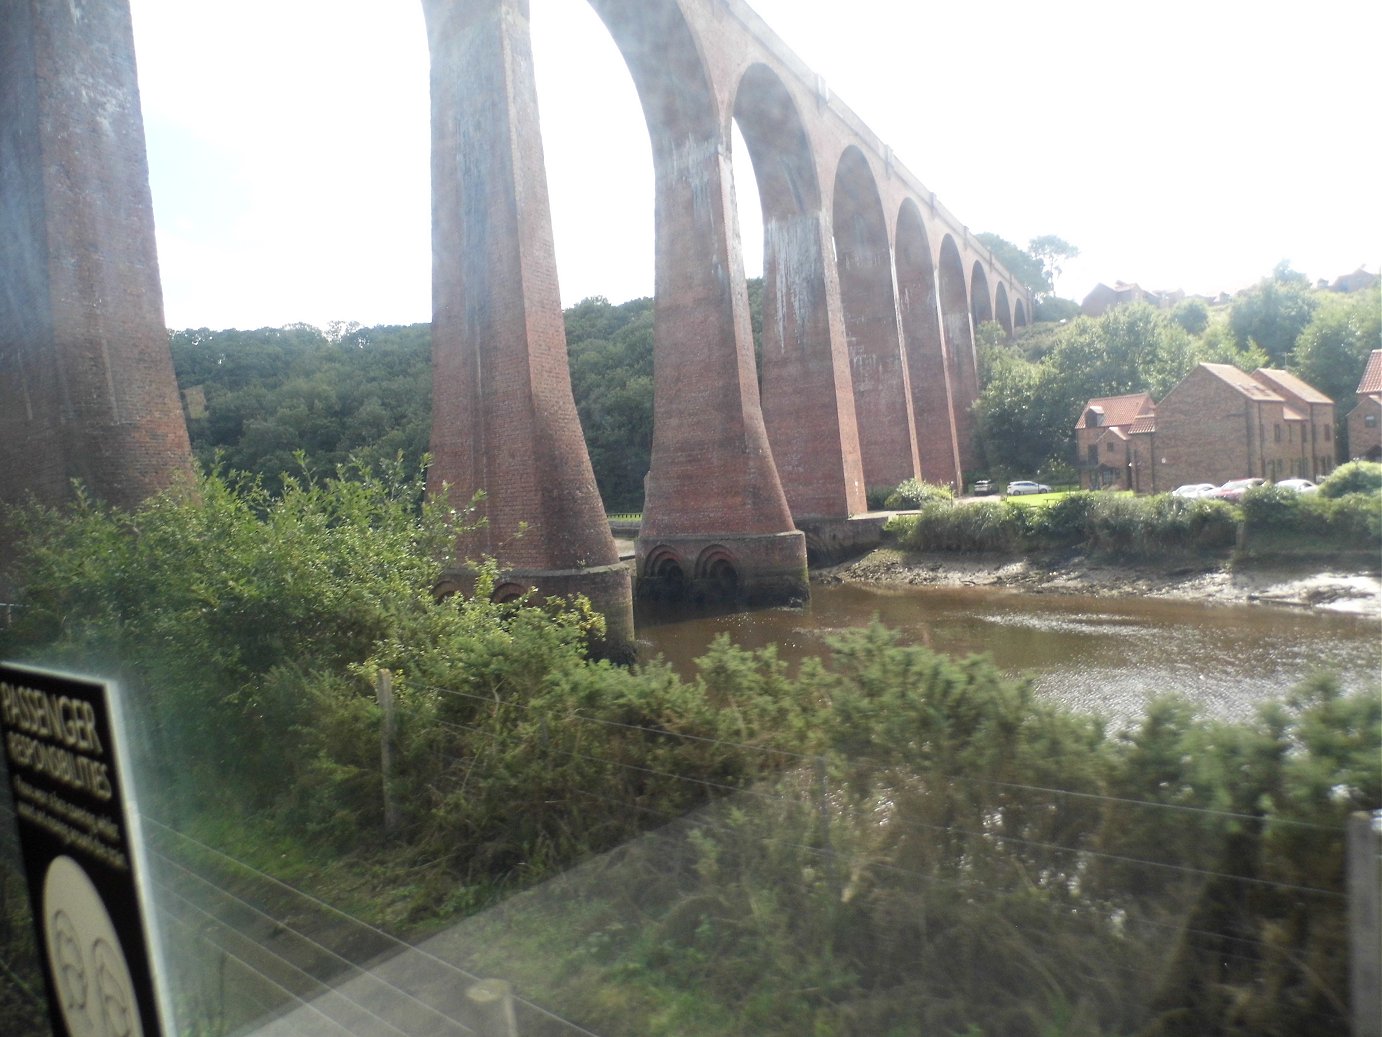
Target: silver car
[(1194, 489), (1022, 486)]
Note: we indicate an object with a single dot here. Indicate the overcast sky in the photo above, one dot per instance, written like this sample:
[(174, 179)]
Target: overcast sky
[(1186, 144)]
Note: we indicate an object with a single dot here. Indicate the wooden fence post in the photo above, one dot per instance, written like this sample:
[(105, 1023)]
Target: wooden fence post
[(388, 736), (1365, 923)]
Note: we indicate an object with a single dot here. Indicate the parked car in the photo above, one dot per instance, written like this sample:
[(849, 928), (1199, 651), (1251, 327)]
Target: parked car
[(1234, 489), (983, 487), (1021, 486), (1299, 485), (1194, 489)]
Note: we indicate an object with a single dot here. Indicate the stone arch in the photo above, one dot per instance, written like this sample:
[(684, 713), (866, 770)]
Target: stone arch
[(717, 576), (926, 357), (1002, 308), (508, 592), (959, 346), (808, 405), (664, 575), (878, 367), (1020, 314), (980, 298)]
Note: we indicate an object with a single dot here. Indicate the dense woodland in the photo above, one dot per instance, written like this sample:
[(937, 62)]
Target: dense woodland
[(366, 392)]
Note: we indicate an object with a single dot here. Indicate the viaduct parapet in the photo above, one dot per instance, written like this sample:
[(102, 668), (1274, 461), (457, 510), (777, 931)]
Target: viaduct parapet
[(872, 294)]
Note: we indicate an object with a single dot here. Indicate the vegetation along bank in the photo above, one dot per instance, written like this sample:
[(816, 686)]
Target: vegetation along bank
[(887, 841), (1321, 550)]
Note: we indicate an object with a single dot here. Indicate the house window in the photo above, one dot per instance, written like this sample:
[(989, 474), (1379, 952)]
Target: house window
[(1278, 433), (1110, 446), (1093, 453), (1370, 420)]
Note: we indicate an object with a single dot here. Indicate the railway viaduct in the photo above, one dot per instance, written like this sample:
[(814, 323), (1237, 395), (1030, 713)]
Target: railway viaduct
[(872, 293)]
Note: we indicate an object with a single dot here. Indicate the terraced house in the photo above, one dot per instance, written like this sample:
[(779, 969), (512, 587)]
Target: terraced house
[(1218, 424)]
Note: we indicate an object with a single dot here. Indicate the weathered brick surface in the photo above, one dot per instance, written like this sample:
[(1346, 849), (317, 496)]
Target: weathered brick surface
[(86, 379), (504, 421), (933, 405), (1365, 428)]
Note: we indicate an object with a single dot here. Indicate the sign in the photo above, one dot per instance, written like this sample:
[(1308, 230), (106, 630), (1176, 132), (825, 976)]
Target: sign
[(82, 851)]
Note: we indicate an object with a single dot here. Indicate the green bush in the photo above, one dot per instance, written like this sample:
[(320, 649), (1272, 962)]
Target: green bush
[(1066, 521), (913, 493), (1354, 477), (980, 526), (1275, 519)]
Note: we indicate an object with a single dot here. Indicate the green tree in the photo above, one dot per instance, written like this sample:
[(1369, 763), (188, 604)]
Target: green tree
[(1051, 251), (1192, 315), (1022, 265), (611, 356), (1274, 313), (1332, 350)]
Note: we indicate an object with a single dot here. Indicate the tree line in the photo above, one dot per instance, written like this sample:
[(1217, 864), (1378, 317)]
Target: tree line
[(1035, 386), (257, 398)]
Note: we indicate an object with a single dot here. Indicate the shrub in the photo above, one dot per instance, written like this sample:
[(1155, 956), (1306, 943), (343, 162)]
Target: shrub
[(1311, 523), (913, 493), (1066, 522), (981, 526), (1354, 477)]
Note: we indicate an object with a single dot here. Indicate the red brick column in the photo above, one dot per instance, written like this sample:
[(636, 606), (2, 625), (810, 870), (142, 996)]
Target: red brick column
[(882, 383), (808, 401), (86, 379), (959, 348), (712, 478), (932, 392), (504, 421)]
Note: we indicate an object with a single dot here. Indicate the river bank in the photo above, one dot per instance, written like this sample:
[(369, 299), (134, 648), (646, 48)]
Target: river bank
[(1355, 589)]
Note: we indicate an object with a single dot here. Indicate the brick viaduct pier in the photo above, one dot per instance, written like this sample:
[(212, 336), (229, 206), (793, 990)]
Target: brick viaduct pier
[(872, 293)]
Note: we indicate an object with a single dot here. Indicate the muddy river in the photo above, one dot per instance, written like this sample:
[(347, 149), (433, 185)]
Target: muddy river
[(1104, 654)]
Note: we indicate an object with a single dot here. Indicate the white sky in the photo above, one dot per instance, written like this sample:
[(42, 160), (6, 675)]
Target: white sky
[(1184, 144)]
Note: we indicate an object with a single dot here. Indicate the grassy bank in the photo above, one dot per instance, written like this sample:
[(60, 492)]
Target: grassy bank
[(1342, 521)]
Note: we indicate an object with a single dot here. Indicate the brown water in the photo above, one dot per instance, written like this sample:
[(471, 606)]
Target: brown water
[(1107, 655)]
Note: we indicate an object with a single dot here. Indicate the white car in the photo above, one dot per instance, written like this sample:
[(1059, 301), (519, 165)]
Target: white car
[(1299, 485), (1021, 486), (1194, 489)]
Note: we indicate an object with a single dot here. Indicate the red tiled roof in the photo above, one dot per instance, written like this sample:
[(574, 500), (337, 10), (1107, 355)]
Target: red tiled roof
[(1118, 410), (1144, 423), (1371, 381), (1288, 384)]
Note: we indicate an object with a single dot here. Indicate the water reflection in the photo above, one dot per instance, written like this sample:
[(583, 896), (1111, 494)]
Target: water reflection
[(1104, 654)]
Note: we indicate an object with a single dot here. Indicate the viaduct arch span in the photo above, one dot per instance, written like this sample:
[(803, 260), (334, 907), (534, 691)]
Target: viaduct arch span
[(872, 291)]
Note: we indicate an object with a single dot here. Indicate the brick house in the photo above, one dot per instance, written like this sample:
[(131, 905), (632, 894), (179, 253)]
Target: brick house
[(1309, 423), (1102, 444), (1102, 298), (1218, 424), (1365, 420)]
